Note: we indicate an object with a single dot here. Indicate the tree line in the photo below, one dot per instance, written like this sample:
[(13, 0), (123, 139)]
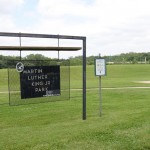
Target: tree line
[(124, 58)]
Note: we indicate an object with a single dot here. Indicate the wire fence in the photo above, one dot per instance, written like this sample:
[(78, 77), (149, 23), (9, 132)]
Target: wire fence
[(39, 81)]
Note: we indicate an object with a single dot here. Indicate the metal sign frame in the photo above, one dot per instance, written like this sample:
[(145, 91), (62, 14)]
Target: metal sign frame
[(82, 38)]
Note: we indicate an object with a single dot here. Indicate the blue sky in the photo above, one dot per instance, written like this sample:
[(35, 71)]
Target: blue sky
[(26, 15), (111, 26)]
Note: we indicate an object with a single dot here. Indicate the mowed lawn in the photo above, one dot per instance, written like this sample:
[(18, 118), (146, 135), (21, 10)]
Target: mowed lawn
[(124, 125)]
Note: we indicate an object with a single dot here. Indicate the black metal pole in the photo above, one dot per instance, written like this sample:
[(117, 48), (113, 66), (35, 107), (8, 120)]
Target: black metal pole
[(84, 78), (20, 44), (100, 95), (100, 91), (31, 35), (58, 46)]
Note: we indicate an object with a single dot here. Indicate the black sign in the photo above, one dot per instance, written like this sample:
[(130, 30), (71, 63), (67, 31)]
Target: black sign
[(40, 81)]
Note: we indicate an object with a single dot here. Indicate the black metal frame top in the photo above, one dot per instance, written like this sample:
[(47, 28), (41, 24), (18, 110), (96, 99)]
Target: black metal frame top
[(10, 34), (83, 38)]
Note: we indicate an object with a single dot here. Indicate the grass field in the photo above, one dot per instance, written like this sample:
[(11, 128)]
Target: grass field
[(124, 125)]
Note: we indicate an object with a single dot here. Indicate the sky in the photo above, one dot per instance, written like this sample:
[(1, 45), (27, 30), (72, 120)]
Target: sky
[(112, 27)]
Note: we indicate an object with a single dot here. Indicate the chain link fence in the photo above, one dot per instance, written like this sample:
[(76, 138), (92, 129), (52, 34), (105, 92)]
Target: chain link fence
[(39, 81)]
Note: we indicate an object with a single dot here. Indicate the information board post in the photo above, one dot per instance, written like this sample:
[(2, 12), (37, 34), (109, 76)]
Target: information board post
[(100, 70), (100, 96)]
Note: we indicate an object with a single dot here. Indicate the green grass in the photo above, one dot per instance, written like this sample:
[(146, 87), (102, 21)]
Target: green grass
[(117, 76), (3, 80), (124, 125)]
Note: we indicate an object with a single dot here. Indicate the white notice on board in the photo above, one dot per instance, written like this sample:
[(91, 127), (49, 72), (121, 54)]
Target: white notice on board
[(100, 67)]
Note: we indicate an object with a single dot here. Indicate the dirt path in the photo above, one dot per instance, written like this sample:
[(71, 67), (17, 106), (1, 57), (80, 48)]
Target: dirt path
[(109, 88)]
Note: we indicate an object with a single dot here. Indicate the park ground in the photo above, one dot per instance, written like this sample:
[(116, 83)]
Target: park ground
[(124, 124)]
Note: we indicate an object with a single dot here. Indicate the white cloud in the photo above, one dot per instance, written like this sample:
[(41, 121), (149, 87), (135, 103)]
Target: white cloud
[(7, 9), (98, 17), (8, 6), (111, 26)]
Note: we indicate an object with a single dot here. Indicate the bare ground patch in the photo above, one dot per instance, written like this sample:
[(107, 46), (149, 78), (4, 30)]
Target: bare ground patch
[(145, 82)]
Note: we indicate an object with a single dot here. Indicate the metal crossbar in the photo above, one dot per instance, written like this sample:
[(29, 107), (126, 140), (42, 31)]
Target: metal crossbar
[(39, 48)]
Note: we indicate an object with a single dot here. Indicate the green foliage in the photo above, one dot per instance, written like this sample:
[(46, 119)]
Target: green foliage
[(6, 61), (132, 58), (35, 57), (129, 58)]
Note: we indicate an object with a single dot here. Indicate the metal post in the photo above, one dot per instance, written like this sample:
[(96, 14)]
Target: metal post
[(69, 78), (58, 46), (100, 93), (58, 54), (20, 44), (84, 78), (100, 96)]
